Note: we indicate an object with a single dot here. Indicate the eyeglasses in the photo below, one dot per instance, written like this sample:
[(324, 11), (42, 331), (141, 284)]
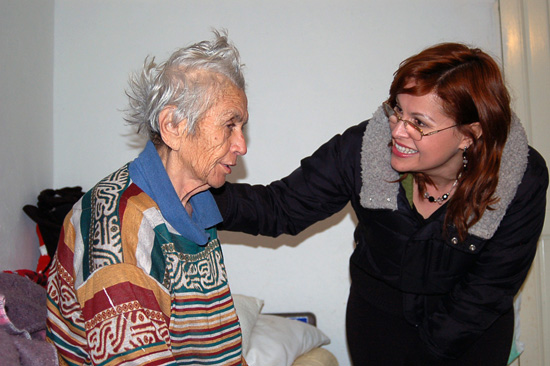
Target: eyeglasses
[(412, 128)]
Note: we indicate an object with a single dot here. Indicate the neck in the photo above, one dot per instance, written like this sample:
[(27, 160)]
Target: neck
[(442, 184), (438, 193), (184, 186), (187, 194)]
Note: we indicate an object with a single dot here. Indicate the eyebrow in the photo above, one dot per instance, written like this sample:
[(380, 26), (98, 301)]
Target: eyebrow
[(425, 116), (232, 114), (416, 114), (238, 117)]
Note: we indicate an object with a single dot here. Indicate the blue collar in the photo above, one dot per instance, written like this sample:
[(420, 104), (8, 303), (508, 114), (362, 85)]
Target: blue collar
[(149, 174)]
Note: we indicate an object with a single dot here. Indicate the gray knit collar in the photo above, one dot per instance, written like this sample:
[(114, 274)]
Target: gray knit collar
[(378, 193)]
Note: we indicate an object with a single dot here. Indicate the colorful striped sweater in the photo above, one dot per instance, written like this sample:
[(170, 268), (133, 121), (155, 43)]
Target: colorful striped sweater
[(126, 288)]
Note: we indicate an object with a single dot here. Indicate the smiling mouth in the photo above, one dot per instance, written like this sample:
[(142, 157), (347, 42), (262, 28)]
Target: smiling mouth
[(404, 150)]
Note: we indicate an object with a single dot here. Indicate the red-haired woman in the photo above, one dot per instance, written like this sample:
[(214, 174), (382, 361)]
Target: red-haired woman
[(449, 213)]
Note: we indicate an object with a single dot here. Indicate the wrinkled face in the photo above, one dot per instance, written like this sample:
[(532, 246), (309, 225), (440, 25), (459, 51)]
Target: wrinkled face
[(435, 155), (218, 141)]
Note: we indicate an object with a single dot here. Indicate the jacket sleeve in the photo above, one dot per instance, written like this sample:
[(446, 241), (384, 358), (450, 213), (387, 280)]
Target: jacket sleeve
[(488, 288), (320, 187)]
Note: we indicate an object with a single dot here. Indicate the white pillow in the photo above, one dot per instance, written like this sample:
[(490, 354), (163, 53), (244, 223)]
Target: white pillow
[(277, 341), (248, 308)]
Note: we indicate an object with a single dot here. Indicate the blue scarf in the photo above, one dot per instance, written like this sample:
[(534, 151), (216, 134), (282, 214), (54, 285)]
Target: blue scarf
[(149, 174)]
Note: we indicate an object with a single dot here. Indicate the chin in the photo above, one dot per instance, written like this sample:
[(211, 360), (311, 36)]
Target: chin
[(216, 184), (401, 168)]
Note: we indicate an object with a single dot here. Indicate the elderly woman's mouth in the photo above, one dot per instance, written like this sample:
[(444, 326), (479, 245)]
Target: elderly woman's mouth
[(228, 167)]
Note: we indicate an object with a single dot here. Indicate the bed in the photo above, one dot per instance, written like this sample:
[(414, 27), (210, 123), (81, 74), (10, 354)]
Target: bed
[(282, 339), (268, 339)]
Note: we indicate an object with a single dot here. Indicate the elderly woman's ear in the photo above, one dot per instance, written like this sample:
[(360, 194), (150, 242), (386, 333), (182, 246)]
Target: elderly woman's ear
[(171, 132)]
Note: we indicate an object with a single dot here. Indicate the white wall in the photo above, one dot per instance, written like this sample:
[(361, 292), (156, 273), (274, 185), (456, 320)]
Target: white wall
[(313, 69), (26, 119)]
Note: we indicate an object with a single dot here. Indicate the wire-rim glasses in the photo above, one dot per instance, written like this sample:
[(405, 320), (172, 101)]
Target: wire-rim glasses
[(415, 132)]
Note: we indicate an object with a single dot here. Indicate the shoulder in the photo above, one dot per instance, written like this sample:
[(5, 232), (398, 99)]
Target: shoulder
[(358, 130), (345, 143), (101, 218), (529, 203), (341, 152), (113, 184), (114, 194), (524, 218), (353, 134), (109, 188), (535, 179), (536, 165)]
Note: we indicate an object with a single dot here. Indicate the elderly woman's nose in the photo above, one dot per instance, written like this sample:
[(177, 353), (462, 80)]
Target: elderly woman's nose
[(238, 143)]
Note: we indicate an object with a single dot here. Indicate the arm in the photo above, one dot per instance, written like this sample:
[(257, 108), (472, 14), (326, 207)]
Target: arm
[(320, 187), (123, 317), (118, 314), (488, 288)]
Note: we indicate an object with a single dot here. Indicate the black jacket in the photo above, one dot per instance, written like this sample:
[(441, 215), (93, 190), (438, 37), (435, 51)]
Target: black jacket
[(474, 281)]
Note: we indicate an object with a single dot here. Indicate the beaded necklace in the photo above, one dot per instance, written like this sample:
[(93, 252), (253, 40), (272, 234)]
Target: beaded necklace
[(443, 198)]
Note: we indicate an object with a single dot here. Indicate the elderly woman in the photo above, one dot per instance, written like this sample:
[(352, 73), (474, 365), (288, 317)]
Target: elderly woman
[(450, 202), (138, 277)]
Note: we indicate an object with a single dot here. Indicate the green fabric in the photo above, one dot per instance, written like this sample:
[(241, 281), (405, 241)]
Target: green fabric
[(514, 353), (407, 184), (517, 345)]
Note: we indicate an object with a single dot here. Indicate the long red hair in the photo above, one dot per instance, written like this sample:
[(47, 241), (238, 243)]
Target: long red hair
[(471, 89)]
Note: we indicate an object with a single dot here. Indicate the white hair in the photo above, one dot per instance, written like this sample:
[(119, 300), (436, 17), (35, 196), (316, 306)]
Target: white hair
[(190, 80)]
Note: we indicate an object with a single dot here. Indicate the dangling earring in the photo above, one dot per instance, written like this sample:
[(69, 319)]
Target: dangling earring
[(464, 159)]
